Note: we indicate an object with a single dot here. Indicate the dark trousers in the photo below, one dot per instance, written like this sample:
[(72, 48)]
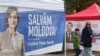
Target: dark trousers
[(77, 51)]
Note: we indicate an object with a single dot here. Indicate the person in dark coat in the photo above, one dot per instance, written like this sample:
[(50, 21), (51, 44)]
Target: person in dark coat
[(86, 39)]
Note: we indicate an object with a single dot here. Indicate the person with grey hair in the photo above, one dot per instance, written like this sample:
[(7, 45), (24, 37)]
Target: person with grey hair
[(11, 41)]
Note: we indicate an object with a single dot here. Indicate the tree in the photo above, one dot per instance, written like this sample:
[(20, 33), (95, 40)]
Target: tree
[(78, 5)]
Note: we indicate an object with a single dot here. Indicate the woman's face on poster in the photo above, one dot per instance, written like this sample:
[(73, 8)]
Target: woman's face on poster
[(13, 19)]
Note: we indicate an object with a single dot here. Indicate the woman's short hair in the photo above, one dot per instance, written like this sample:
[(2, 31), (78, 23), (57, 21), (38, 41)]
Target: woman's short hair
[(9, 11)]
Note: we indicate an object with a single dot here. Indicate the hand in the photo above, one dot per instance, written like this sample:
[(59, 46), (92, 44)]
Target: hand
[(7, 52), (91, 36), (81, 43)]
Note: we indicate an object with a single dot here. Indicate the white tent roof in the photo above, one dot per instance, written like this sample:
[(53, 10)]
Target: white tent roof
[(36, 4)]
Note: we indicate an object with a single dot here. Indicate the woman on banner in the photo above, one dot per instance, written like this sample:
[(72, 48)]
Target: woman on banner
[(86, 39), (11, 41)]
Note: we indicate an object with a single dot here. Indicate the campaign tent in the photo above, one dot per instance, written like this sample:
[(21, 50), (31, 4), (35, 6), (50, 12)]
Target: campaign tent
[(91, 13)]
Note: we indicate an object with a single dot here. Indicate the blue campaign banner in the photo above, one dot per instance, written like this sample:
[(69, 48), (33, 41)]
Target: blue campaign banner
[(40, 28)]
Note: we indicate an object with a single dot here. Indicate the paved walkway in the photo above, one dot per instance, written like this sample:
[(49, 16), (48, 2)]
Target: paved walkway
[(94, 53), (51, 55), (68, 54)]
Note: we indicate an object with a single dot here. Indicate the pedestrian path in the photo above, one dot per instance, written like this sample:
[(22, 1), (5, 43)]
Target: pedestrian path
[(73, 54), (67, 54), (50, 55)]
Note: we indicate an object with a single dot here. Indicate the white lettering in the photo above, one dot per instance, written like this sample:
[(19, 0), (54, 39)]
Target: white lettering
[(42, 31), (30, 19)]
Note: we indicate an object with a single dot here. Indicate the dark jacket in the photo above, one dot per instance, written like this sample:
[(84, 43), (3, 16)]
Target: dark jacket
[(86, 37), (67, 39)]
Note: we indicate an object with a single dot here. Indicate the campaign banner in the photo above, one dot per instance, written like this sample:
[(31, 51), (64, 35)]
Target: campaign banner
[(31, 32), (95, 25)]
